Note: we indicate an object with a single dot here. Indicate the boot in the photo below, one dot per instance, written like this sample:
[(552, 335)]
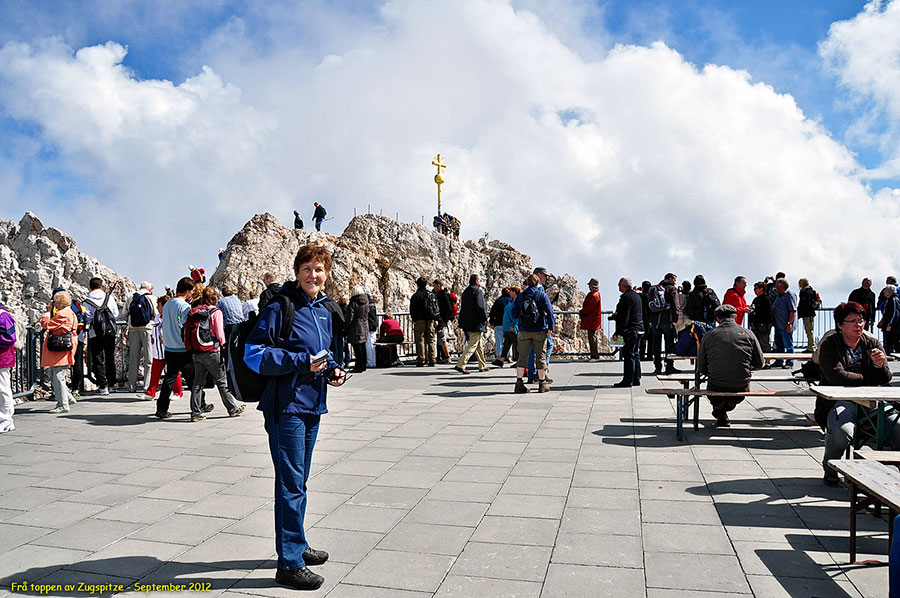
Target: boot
[(520, 386), (543, 386)]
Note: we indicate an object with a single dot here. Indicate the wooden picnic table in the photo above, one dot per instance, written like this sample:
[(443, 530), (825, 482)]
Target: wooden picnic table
[(684, 399), (877, 483), (766, 357), (867, 396)]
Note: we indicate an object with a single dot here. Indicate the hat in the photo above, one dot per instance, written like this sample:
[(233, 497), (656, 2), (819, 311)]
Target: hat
[(594, 283), (725, 311), (540, 270), (198, 274)]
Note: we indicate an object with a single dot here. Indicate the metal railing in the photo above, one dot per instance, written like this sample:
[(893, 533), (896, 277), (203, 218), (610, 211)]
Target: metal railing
[(25, 371)]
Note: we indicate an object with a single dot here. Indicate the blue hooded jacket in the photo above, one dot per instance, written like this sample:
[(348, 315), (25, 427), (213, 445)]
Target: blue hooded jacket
[(299, 390), (537, 294)]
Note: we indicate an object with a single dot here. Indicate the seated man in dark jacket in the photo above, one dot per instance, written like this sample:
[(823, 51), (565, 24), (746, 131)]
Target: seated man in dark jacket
[(727, 354), (848, 357)]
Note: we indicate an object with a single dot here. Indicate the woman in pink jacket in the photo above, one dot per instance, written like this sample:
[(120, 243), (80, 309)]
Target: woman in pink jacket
[(61, 324)]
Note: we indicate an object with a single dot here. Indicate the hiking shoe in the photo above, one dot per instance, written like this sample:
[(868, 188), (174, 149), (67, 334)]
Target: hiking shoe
[(722, 422), (672, 370), (58, 410), (313, 557), (498, 363), (165, 415), (430, 364), (832, 481), (299, 579), (548, 379), (520, 386), (544, 386), (420, 364), (103, 391), (72, 400), (237, 411), (7, 427), (484, 369), (460, 370), (622, 384), (198, 418), (207, 408)]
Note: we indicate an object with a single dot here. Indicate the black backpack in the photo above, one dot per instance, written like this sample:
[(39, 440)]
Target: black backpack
[(431, 304), (249, 385), (103, 323), (710, 303), (530, 314), (657, 300), (139, 310)]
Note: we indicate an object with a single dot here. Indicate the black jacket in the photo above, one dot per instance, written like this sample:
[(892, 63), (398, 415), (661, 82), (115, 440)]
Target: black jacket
[(806, 303), (418, 306), (866, 298), (266, 296), (629, 313), (472, 310), (443, 299), (319, 213), (761, 316), (357, 326), (373, 315), (701, 304)]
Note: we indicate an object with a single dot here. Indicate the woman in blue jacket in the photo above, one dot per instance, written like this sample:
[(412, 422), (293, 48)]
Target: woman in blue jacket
[(293, 402)]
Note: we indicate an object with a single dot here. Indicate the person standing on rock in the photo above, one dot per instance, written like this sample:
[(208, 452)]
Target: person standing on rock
[(293, 403), (472, 319), (318, 215), (591, 316), (101, 308), (424, 311), (298, 221), (445, 306)]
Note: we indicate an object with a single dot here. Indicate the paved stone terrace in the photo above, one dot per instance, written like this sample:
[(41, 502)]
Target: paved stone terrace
[(430, 483)]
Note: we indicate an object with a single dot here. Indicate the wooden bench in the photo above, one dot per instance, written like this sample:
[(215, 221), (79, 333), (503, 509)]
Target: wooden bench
[(885, 457), (877, 483), (687, 396)]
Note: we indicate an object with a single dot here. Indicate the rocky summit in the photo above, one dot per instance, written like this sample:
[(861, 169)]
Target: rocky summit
[(386, 257), (35, 259)]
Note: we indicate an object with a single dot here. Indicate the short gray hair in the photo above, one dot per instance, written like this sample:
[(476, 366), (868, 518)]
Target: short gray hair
[(783, 282), (626, 281), (147, 285)]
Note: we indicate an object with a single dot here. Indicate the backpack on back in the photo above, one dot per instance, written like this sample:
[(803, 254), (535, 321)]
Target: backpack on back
[(454, 305), (658, 300), (530, 314), (249, 385), (710, 303), (198, 334), (140, 312), (817, 301), (431, 305), (103, 323)]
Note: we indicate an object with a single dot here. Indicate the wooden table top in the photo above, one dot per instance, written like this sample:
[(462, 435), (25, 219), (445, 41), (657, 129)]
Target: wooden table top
[(864, 395), (877, 478)]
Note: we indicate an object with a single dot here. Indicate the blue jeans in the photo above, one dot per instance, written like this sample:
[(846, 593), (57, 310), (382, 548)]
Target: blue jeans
[(291, 442), (632, 358), (659, 331), (784, 343), (319, 223), (894, 562)]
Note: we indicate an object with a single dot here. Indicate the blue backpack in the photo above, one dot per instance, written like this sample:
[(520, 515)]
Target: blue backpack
[(140, 312), (688, 342)]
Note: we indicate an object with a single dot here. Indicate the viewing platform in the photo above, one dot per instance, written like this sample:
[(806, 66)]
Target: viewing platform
[(428, 483)]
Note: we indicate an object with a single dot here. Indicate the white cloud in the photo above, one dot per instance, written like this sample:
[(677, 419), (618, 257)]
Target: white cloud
[(634, 163), (864, 52)]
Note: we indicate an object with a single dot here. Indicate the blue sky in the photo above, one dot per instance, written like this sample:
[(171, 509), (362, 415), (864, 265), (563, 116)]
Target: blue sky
[(321, 84)]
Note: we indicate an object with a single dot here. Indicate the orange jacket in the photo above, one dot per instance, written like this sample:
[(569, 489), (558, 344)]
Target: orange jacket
[(62, 321)]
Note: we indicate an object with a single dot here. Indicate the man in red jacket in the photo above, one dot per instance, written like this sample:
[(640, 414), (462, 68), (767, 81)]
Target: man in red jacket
[(591, 316), (735, 296)]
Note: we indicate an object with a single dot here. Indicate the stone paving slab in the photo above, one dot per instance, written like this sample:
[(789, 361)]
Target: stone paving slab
[(427, 483)]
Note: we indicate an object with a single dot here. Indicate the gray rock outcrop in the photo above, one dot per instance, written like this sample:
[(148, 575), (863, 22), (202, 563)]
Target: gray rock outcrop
[(35, 259), (386, 257)]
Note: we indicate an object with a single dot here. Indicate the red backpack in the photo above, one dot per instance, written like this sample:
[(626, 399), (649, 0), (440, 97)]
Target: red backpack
[(454, 305), (198, 334)]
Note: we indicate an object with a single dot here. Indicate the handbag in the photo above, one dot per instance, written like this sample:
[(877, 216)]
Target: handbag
[(60, 342)]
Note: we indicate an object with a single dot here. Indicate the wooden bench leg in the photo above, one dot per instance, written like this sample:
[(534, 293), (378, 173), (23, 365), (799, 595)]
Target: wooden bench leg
[(679, 418), (852, 522), (697, 412)]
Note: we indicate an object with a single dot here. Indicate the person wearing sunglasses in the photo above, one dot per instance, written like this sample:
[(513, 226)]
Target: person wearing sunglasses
[(848, 356)]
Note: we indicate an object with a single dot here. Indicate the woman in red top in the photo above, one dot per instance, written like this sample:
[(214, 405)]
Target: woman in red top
[(591, 318), (390, 332)]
